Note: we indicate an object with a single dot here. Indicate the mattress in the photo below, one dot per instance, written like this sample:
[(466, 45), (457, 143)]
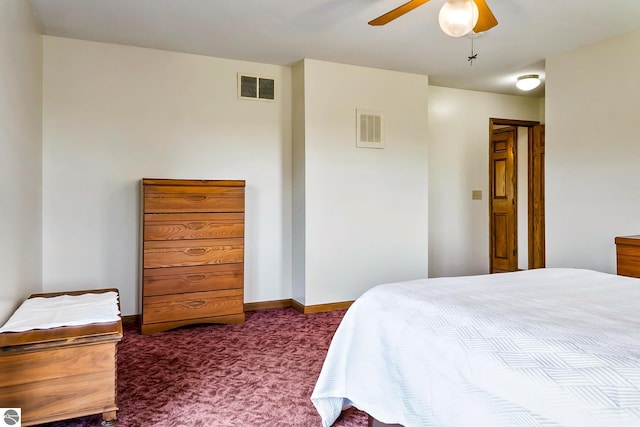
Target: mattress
[(545, 347)]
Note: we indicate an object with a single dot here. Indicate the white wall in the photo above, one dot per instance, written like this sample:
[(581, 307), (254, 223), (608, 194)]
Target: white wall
[(20, 155), (114, 114), (458, 164), (298, 291), (592, 152), (365, 210)]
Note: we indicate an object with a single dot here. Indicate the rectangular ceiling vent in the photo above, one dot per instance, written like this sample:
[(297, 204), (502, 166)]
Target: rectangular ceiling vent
[(369, 129), (253, 87)]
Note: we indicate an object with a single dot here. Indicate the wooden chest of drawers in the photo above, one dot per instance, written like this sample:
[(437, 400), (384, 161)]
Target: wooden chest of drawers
[(192, 253), (628, 255)]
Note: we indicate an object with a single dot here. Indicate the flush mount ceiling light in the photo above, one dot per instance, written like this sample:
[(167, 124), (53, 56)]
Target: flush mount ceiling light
[(528, 82), (458, 17)]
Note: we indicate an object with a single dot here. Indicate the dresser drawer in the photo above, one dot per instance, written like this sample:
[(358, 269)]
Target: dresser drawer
[(167, 308), (171, 280), (159, 198), (176, 253), (193, 226)]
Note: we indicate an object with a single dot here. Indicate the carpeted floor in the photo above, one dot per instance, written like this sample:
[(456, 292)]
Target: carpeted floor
[(258, 373)]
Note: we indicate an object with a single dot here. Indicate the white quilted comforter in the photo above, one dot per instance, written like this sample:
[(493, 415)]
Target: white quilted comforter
[(548, 347)]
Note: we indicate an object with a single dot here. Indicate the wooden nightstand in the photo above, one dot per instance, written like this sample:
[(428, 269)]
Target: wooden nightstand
[(628, 255)]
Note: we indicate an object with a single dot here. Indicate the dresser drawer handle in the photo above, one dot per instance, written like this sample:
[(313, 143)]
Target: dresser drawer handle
[(195, 277), (195, 251), (194, 304), (196, 225), (196, 198)]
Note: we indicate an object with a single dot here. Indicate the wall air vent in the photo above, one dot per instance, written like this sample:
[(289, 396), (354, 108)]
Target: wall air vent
[(253, 87), (369, 129)]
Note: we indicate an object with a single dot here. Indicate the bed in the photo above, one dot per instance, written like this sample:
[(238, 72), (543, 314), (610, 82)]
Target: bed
[(545, 347)]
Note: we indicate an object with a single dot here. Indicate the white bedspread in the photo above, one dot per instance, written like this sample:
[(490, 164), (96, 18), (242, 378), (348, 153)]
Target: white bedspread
[(547, 347), (64, 310)]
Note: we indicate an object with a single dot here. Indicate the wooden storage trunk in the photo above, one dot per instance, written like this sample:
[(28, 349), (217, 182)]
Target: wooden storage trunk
[(60, 373)]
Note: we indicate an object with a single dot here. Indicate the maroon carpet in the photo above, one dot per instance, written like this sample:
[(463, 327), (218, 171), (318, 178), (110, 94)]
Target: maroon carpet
[(259, 373)]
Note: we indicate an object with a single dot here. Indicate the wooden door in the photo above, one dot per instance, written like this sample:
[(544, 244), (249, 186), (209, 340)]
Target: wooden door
[(502, 200), (536, 198)]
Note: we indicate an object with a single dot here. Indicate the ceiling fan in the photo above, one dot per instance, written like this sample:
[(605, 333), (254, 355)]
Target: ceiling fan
[(457, 17)]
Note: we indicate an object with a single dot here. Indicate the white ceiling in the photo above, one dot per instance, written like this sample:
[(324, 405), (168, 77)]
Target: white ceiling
[(284, 31)]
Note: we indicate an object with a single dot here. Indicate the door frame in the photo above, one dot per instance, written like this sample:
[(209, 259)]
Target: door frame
[(535, 188)]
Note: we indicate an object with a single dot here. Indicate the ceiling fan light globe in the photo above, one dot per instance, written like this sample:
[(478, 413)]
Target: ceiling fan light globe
[(458, 17)]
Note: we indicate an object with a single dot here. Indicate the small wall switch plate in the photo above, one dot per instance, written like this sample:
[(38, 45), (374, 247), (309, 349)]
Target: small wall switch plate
[(476, 195)]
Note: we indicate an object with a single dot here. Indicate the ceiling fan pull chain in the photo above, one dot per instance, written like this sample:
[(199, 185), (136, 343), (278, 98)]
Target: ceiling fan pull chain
[(473, 54)]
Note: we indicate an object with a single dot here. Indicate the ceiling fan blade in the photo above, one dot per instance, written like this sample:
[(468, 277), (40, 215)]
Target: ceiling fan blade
[(397, 12), (486, 20)]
